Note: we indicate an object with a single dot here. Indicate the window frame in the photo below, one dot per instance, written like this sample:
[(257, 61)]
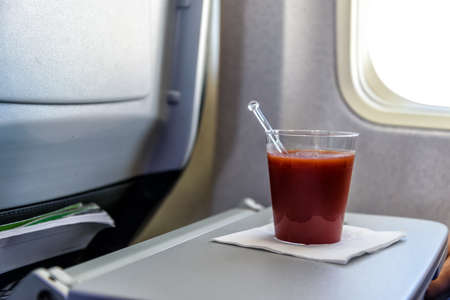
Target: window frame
[(362, 89)]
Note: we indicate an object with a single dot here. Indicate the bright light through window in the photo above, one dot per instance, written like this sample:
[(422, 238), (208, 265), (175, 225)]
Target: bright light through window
[(409, 46)]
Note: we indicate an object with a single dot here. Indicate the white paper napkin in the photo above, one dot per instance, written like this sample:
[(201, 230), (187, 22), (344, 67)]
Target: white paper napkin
[(355, 241)]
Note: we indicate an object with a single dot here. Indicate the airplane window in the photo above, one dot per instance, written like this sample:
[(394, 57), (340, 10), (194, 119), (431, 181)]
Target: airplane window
[(393, 59), (409, 46)]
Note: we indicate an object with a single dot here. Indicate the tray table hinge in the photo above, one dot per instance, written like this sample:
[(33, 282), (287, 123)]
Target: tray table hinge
[(44, 284)]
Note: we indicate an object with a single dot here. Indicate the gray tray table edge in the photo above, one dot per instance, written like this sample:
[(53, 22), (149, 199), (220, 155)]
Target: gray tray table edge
[(403, 271), (185, 264)]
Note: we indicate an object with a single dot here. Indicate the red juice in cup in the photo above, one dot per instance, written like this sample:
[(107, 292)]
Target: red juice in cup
[(310, 184)]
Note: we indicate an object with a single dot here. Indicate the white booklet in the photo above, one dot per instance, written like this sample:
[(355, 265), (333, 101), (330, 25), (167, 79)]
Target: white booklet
[(62, 231)]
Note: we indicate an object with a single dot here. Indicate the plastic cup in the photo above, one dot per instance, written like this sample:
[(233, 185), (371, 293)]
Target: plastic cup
[(310, 184)]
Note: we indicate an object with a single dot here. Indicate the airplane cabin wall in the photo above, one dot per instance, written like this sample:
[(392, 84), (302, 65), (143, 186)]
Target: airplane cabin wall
[(284, 54)]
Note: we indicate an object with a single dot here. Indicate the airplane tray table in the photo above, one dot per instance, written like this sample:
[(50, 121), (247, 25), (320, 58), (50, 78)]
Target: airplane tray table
[(196, 268)]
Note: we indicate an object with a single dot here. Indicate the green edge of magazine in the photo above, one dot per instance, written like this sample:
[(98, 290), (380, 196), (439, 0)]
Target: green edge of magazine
[(50, 216)]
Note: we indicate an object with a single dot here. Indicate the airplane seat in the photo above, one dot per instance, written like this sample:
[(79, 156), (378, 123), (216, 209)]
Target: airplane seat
[(100, 101)]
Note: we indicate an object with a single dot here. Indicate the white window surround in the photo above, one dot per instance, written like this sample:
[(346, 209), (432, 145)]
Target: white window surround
[(361, 87)]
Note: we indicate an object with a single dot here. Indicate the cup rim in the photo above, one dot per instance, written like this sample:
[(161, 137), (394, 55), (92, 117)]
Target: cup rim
[(312, 132)]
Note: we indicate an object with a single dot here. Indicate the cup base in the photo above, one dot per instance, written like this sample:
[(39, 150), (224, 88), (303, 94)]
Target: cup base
[(300, 244)]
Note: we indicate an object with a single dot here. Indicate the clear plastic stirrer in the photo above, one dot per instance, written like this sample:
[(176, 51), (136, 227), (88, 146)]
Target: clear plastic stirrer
[(253, 106)]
